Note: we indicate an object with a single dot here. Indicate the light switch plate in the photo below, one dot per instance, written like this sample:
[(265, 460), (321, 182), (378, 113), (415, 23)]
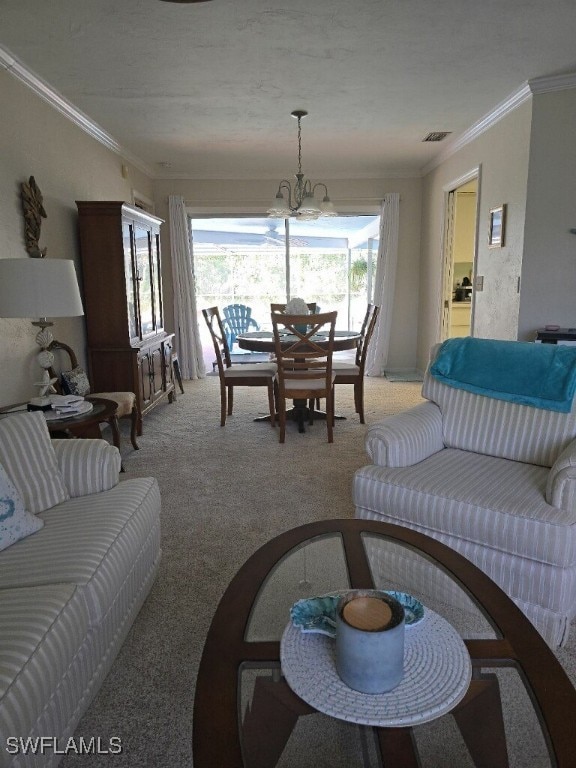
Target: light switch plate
[(479, 283)]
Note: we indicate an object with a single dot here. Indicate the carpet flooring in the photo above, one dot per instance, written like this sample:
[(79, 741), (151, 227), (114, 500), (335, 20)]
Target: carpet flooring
[(225, 492)]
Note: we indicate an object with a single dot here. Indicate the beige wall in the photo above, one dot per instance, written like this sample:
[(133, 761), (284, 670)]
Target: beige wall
[(502, 154), (549, 269), (68, 165), (359, 196)]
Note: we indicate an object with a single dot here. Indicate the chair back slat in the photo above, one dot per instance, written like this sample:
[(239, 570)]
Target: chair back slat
[(368, 325), (55, 344), (219, 340)]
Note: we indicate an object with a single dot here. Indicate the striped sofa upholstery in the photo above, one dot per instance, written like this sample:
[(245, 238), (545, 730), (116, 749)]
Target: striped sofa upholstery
[(68, 596), (495, 481)]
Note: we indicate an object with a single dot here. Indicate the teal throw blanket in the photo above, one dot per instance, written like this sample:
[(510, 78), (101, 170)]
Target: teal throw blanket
[(540, 375)]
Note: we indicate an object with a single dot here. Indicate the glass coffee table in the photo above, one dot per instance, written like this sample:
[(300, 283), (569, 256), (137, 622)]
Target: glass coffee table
[(517, 709)]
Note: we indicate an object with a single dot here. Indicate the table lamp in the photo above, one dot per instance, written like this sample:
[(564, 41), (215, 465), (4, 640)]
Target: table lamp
[(40, 288)]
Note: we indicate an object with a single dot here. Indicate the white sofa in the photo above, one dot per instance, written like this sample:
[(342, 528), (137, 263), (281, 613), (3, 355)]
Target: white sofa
[(70, 591), (494, 480)]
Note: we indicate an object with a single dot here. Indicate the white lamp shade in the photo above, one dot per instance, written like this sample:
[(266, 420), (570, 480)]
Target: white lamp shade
[(279, 208), (327, 208), (309, 206), (39, 288)]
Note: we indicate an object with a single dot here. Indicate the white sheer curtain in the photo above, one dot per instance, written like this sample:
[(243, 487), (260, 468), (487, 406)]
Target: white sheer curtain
[(188, 341), (384, 284)]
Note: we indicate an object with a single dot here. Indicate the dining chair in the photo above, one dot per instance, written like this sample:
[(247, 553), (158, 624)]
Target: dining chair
[(74, 381), (353, 373), (237, 319), (240, 375), (304, 367), (282, 307)]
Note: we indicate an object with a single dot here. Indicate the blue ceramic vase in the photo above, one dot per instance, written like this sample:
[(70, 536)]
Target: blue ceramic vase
[(370, 660)]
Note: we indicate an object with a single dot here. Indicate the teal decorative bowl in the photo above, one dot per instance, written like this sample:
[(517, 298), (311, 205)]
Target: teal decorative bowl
[(318, 614)]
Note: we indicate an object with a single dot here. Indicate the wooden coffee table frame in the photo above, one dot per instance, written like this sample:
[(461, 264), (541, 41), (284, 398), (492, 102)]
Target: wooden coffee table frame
[(216, 725)]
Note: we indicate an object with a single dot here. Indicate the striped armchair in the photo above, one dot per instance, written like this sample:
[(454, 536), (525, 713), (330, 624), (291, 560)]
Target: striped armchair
[(495, 481)]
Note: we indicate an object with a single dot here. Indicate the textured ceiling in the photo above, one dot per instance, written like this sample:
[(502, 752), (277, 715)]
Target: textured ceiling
[(208, 88)]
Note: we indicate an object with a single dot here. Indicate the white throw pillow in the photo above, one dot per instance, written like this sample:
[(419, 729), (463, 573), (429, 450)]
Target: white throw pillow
[(15, 522), (28, 457)]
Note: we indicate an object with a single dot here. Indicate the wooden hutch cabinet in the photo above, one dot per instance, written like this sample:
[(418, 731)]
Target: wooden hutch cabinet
[(128, 349)]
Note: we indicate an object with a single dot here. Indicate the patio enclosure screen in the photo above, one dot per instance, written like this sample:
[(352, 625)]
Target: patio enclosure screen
[(256, 261)]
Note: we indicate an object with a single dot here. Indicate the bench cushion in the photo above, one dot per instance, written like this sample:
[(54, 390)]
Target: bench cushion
[(43, 629), (96, 552), (493, 502)]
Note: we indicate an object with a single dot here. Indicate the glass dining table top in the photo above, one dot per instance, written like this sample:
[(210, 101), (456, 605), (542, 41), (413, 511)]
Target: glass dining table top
[(263, 341)]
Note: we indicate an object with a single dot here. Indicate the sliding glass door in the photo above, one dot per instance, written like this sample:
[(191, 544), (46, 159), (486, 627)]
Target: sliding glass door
[(256, 261)]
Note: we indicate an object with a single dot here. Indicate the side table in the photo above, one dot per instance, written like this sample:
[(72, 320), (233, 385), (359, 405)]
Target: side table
[(559, 336)]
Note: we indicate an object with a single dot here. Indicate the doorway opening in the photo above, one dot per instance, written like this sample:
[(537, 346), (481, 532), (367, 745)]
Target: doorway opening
[(460, 239)]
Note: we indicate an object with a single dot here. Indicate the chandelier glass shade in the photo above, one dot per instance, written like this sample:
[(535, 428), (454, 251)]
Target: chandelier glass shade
[(298, 200)]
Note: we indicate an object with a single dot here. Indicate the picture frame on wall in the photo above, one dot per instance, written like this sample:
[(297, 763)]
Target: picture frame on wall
[(497, 230)]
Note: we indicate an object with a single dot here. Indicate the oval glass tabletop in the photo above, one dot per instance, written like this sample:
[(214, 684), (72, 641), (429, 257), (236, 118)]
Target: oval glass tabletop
[(512, 713)]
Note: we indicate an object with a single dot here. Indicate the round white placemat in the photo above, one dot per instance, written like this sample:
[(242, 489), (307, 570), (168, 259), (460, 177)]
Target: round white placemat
[(437, 673)]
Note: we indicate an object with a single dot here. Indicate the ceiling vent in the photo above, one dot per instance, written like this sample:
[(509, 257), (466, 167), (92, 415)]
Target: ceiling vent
[(436, 136)]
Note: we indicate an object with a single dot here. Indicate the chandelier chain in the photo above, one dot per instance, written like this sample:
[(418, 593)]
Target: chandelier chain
[(299, 145)]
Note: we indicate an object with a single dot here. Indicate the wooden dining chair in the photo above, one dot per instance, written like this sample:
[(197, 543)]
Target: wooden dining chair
[(353, 373), (282, 307), (240, 375), (74, 381), (304, 368)]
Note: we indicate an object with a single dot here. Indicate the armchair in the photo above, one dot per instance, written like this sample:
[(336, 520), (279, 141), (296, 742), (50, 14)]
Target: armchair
[(491, 478)]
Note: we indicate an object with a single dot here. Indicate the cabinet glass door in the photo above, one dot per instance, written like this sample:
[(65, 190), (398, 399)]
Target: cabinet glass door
[(131, 282), (157, 266), (144, 277)]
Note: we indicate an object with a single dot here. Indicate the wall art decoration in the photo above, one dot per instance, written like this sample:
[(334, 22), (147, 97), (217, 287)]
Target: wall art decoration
[(33, 214), (497, 230)]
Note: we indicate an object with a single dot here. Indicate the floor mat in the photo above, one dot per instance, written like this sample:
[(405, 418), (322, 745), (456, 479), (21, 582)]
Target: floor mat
[(406, 376)]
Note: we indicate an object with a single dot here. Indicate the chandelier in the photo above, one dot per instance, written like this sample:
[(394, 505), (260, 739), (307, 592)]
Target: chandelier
[(300, 201)]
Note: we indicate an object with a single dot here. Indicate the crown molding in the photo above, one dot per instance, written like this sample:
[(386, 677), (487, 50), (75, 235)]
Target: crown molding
[(42, 89), (537, 85), (505, 107), (552, 83)]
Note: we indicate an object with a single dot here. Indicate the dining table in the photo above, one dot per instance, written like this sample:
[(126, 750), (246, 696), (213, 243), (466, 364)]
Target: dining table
[(263, 341)]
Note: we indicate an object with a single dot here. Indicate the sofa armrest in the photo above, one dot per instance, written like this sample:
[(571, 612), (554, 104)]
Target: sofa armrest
[(406, 438), (87, 466), (561, 483)]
